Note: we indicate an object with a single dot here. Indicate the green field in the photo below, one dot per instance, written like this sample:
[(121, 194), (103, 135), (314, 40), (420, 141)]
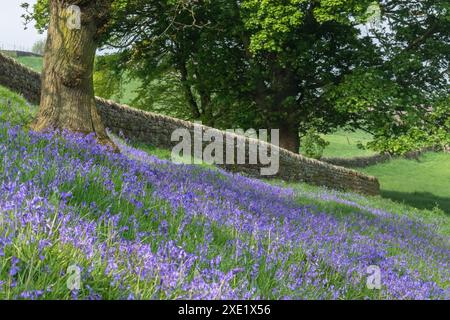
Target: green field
[(344, 144), (129, 91), (34, 63), (423, 183)]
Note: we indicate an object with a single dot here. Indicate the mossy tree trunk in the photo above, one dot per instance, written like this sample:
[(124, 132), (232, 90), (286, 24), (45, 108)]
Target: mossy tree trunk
[(67, 96)]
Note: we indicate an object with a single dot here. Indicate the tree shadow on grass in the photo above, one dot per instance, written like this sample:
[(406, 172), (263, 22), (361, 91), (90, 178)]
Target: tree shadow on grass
[(420, 200)]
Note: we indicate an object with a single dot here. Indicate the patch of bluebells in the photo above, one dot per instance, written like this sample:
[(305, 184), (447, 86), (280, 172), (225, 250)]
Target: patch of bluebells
[(157, 230)]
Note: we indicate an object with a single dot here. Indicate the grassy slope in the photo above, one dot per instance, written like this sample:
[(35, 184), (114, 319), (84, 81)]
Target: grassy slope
[(309, 195), (34, 63), (422, 183), (14, 109), (334, 204)]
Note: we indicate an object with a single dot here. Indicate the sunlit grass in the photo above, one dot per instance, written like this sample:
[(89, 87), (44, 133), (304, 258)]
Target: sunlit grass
[(344, 144), (34, 63), (422, 183)]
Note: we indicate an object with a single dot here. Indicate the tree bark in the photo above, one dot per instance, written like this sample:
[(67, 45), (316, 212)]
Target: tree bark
[(284, 91), (67, 97), (188, 90), (207, 112), (290, 137)]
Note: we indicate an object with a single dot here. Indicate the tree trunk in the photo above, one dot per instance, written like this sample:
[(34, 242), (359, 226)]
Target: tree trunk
[(187, 89), (67, 97), (207, 112), (290, 138)]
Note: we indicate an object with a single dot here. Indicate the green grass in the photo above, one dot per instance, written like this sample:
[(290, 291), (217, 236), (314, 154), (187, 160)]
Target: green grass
[(344, 144), (423, 183), (34, 63), (129, 91), (14, 109)]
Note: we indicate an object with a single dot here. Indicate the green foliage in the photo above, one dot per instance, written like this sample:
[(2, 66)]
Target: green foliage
[(413, 139), (108, 82), (273, 22), (39, 13), (181, 61), (342, 11), (402, 119), (419, 127), (313, 144)]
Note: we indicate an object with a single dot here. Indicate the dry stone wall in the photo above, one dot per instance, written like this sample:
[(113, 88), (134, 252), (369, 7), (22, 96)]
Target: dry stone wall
[(363, 162), (156, 129), (20, 79)]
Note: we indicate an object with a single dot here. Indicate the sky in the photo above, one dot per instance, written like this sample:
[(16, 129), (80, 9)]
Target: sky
[(12, 33)]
